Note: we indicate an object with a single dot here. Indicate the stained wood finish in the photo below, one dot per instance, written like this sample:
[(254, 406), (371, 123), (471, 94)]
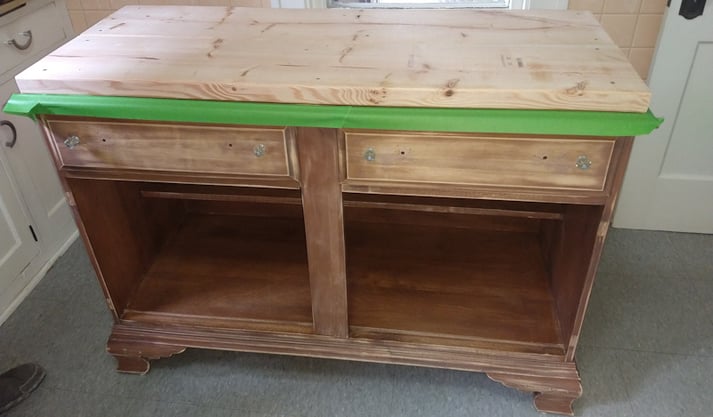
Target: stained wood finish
[(468, 280), (450, 212), (463, 283), (415, 58), (542, 163), (221, 193), (385, 351), (172, 147), (123, 231), (619, 163), (573, 244), (229, 269), (530, 194), (552, 395), (324, 222), (132, 356), (181, 177)]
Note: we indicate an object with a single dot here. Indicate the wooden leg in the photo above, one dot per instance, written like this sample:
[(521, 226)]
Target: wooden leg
[(555, 402), (552, 394), (133, 356), (132, 364)]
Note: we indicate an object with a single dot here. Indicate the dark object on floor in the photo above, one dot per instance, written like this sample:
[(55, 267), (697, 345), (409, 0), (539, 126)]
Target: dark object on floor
[(17, 384)]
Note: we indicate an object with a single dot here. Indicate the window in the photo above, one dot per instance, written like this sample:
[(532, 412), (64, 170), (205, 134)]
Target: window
[(420, 3), (432, 4)]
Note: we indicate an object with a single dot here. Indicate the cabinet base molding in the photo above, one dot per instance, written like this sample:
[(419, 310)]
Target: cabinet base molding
[(556, 383)]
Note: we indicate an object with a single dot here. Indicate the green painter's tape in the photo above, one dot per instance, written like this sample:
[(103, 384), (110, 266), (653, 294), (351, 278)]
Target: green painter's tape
[(549, 122)]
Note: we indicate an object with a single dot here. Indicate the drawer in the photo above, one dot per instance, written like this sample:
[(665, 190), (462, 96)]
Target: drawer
[(171, 147), (549, 163), (45, 27)]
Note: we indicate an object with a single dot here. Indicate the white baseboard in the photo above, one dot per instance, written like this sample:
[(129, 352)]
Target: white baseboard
[(38, 277)]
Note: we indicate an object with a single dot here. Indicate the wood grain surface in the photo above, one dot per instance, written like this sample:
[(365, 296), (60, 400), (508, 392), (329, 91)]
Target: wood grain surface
[(215, 279), (173, 147), (413, 58), (444, 282), (324, 226), (543, 163)]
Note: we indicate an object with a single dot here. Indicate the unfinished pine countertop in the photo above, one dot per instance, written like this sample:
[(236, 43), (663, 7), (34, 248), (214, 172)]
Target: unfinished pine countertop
[(407, 58)]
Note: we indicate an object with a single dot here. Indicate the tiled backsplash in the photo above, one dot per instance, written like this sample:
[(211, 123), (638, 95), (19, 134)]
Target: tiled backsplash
[(633, 24)]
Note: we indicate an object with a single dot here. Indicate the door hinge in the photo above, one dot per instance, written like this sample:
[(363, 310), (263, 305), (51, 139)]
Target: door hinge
[(34, 235)]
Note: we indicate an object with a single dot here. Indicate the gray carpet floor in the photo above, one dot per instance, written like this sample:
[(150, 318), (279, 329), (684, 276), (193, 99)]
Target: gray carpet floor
[(646, 350)]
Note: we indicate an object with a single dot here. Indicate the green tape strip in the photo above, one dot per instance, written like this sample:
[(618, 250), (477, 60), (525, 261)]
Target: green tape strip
[(553, 122)]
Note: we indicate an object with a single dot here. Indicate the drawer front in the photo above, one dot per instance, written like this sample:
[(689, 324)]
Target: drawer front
[(36, 32), (171, 147), (476, 160)]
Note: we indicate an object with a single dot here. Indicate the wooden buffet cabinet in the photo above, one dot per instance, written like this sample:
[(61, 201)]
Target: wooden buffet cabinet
[(363, 238)]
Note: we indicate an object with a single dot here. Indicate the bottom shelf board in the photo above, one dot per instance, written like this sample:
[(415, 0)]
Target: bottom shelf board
[(451, 286), (229, 271), (411, 283)]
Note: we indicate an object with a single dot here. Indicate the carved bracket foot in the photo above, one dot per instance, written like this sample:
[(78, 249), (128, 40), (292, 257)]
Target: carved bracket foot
[(552, 394), (132, 364), (133, 357), (555, 402)]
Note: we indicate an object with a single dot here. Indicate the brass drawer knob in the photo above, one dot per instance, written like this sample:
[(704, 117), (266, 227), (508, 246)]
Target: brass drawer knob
[(583, 162), (259, 150), (72, 141), (370, 155)]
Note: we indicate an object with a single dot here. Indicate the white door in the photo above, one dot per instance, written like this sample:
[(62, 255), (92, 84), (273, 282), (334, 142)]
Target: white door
[(669, 183), (36, 177), (17, 246)]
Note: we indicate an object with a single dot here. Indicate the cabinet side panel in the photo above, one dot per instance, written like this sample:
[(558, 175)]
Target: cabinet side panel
[(123, 231), (573, 243), (577, 247), (620, 161)]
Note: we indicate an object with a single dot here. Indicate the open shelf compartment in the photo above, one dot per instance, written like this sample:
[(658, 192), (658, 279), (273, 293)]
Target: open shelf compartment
[(211, 256), (452, 272)]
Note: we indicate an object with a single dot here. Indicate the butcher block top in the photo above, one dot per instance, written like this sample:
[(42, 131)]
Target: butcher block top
[(388, 58)]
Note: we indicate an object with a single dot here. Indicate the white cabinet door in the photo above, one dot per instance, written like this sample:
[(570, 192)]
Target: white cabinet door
[(669, 183), (36, 177), (30, 191), (17, 246)]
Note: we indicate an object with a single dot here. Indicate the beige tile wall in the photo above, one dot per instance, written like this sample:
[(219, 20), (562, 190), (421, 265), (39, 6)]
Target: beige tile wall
[(633, 24)]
